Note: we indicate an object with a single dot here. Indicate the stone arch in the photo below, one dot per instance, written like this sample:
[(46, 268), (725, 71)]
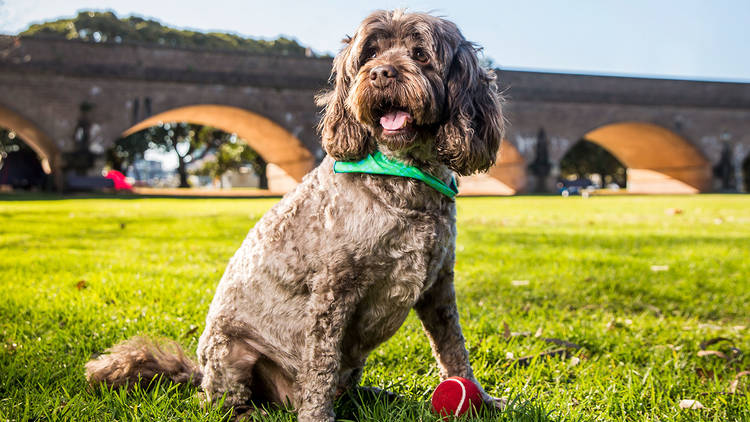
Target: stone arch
[(657, 159), (49, 154), (506, 177), (274, 143)]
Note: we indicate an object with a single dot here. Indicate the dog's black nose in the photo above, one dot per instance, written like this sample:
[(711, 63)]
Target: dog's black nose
[(383, 75)]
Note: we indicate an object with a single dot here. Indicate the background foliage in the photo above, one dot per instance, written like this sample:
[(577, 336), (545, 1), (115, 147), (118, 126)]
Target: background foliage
[(189, 143), (586, 158), (107, 27)]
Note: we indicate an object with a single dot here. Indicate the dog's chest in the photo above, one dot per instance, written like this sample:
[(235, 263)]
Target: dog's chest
[(405, 266)]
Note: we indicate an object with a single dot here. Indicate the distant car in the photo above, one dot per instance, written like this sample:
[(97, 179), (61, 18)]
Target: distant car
[(581, 187)]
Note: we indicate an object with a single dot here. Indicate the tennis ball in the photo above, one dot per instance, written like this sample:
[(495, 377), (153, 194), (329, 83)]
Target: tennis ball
[(456, 396)]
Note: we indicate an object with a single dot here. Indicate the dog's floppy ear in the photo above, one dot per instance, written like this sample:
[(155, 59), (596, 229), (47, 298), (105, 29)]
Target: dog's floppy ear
[(469, 140), (343, 136)]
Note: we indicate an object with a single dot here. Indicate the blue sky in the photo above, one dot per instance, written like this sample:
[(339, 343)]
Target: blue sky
[(708, 40)]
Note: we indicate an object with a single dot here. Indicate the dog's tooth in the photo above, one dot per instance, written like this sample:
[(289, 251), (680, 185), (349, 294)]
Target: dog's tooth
[(406, 122)]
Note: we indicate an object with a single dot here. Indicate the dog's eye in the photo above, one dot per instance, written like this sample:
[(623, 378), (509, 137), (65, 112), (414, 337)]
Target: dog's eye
[(420, 56), (370, 54)]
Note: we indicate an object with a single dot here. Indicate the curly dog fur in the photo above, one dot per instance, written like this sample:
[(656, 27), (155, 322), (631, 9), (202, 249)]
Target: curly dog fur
[(333, 269)]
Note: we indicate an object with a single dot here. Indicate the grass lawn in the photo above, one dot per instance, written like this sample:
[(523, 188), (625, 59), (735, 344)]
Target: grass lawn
[(637, 282)]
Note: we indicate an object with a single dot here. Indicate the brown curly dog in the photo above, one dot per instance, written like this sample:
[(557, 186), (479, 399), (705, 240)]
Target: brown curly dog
[(332, 270)]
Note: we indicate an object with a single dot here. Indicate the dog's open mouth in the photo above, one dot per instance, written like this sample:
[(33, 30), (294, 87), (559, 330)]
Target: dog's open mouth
[(395, 121)]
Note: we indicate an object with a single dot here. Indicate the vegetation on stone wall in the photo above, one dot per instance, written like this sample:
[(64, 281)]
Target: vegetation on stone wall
[(107, 27)]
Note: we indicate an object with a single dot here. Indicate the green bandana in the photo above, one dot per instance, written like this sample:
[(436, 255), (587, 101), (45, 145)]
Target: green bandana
[(378, 163)]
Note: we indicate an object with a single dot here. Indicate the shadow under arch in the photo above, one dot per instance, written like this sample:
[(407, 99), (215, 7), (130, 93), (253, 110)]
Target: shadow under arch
[(274, 143), (657, 159), (745, 171), (506, 177), (49, 154)]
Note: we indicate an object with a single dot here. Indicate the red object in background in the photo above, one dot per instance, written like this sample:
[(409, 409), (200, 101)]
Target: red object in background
[(456, 396), (119, 180)]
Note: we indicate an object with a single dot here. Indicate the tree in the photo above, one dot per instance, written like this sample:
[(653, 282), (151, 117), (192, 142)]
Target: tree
[(587, 158), (20, 166), (10, 143), (233, 155), (102, 27), (188, 142), (541, 166), (126, 151), (724, 169)]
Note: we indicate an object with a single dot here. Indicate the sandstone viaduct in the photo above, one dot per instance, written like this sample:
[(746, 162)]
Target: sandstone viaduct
[(668, 133)]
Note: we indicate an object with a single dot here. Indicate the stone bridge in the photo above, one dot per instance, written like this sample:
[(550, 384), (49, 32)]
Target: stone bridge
[(668, 133)]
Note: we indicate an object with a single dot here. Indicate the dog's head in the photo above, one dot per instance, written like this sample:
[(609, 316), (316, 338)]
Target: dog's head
[(409, 80)]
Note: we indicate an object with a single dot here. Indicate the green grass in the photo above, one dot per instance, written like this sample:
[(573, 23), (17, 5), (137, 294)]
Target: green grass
[(79, 275)]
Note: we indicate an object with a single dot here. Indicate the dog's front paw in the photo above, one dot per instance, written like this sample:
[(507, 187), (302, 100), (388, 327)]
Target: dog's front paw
[(249, 414), (315, 415)]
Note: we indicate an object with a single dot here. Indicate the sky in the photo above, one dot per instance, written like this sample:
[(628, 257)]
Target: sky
[(685, 39)]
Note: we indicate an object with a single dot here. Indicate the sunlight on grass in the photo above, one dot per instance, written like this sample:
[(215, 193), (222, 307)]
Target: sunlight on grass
[(637, 285)]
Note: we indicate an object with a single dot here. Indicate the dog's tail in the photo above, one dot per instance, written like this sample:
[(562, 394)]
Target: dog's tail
[(139, 360)]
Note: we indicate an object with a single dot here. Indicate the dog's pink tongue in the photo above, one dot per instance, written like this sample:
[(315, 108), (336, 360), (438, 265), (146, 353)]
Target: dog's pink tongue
[(395, 120)]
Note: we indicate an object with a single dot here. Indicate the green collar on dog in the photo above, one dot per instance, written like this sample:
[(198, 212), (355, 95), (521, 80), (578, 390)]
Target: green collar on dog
[(378, 163)]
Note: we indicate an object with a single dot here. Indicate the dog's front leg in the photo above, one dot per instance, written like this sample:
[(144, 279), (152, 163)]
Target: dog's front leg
[(329, 310), (439, 315)]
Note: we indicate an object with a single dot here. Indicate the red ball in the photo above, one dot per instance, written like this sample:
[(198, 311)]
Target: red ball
[(456, 396)]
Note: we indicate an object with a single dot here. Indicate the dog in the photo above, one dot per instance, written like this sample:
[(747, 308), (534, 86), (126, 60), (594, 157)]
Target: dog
[(333, 269)]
